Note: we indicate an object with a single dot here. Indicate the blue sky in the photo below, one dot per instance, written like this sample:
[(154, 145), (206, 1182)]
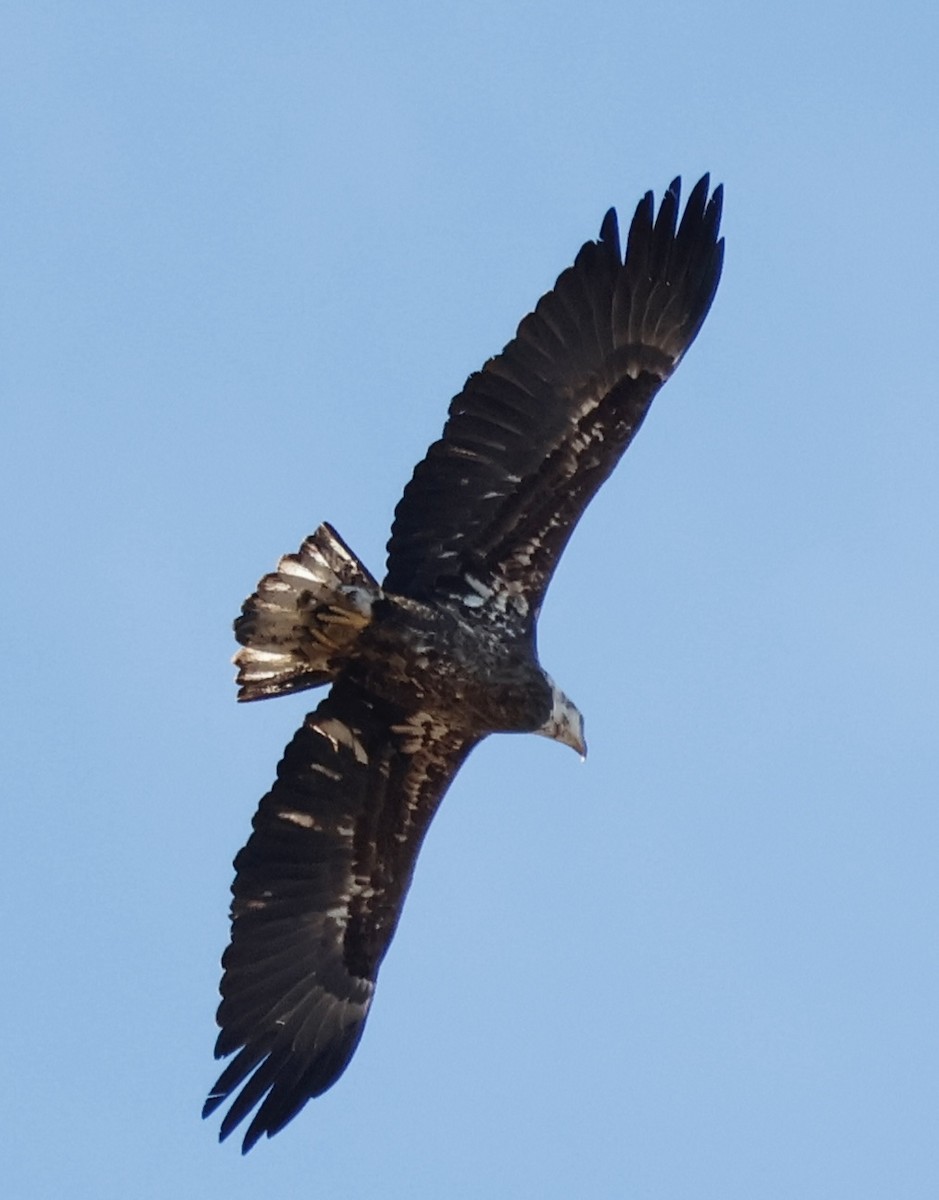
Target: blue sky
[(249, 253)]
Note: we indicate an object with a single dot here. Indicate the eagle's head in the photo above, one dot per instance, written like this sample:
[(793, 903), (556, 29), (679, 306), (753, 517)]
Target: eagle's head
[(565, 722)]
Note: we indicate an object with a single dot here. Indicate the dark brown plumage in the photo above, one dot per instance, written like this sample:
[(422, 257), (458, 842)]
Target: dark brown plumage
[(440, 655)]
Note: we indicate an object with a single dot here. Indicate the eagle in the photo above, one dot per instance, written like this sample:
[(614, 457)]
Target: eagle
[(441, 654)]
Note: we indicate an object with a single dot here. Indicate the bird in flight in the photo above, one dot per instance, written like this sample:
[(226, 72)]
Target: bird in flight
[(426, 664)]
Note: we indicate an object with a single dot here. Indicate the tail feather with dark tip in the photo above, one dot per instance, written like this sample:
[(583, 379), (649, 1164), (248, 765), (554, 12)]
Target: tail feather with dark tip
[(300, 626)]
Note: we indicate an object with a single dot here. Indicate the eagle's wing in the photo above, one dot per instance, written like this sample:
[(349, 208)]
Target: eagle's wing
[(533, 434), (317, 896)]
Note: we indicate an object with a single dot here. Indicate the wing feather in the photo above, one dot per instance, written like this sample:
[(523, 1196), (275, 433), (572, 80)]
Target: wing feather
[(534, 434), (317, 896)]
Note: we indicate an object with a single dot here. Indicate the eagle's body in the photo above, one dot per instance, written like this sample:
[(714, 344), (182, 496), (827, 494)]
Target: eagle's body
[(437, 657), (442, 661)]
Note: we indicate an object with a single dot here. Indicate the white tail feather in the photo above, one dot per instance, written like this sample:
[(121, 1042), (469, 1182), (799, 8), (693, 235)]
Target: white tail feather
[(303, 620)]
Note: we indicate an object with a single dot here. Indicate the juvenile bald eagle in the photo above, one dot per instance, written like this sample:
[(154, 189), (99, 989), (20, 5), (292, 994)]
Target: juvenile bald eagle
[(427, 664)]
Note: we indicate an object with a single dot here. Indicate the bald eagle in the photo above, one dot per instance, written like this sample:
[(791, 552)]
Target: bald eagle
[(426, 664)]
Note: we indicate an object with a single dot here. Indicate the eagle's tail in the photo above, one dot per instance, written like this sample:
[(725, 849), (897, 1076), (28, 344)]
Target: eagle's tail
[(301, 623)]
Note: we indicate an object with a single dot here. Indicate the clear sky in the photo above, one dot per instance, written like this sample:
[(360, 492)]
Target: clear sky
[(249, 252)]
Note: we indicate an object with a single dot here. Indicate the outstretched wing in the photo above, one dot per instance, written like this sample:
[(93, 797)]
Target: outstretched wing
[(533, 435), (317, 896)]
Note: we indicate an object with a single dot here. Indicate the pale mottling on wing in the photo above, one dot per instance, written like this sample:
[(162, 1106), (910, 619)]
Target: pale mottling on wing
[(321, 769), (420, 732), (480, 589), (299, 818), (339, 734)]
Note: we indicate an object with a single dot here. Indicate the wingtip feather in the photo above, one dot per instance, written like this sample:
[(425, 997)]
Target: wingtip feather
[(609, 232)]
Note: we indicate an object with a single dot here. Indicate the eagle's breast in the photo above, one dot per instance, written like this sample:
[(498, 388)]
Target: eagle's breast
[(418, 657)]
